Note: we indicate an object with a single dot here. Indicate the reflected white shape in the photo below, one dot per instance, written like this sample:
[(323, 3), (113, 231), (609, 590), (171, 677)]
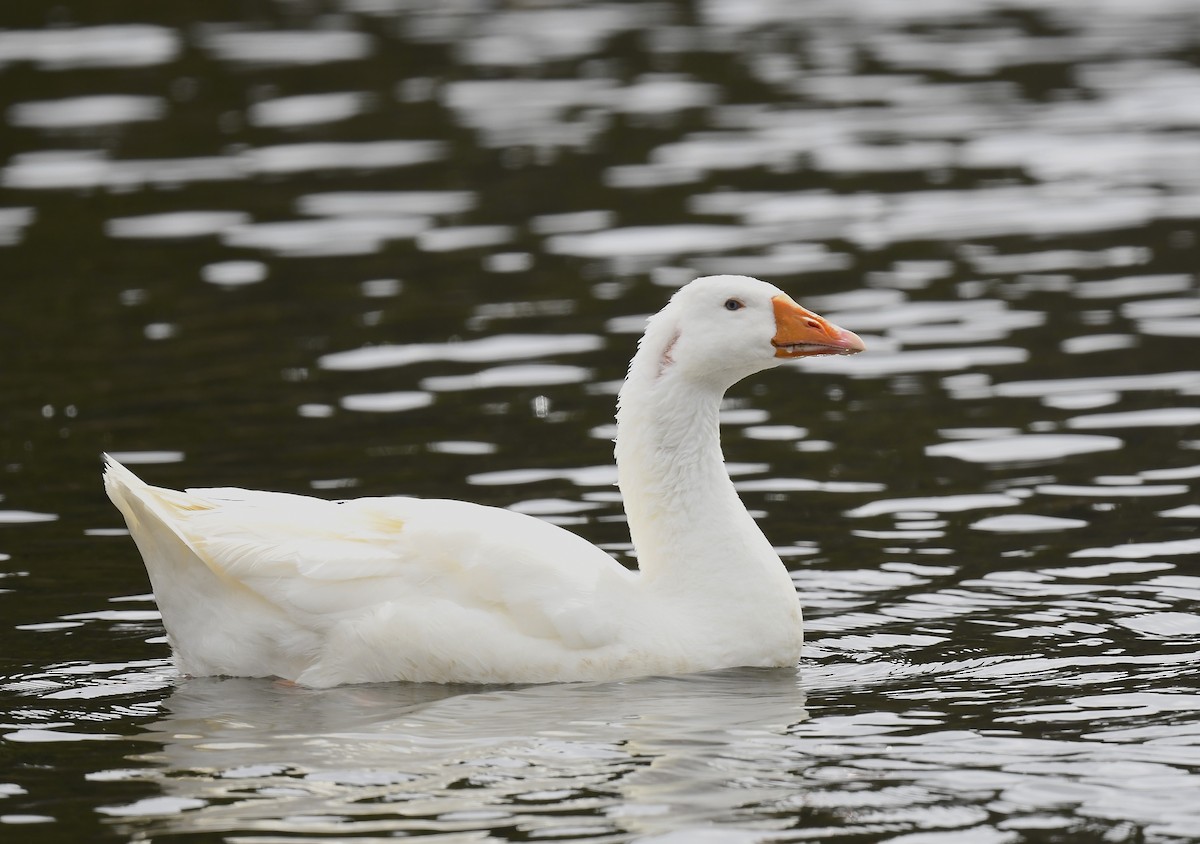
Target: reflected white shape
[(1058, 260), (149, 807), (630, 324), (315, 410), (469, 447), (306, 764), (486, 349), (809, 207), (1051, 156), (56, 170), (393, 402), (307, 109), (785, 259), (363, 155), (604, 432), (1026, 523), (552, 506), (1178, 473), (487, 312), (997, 212), (743, 416), (115, 615), (1154, 418), (1093, 571), (381, 288), (327, 236), (571, 222), (26, 819), (1179, 327), (234, 273), (334, 483), (34, 735), (521, 36), (49, 625), (860, 299), (1168, 624), (77, 112), (1161, 308), (977, 433), (70, 170), (20, 517), (970, 330), (536, 112), (877, 220), (1187, 511), (934, 504), (724, 151), (663, 94), (807, 485), (949, 359), (1141, 550), (174, 224), (1024, 448), (1091, 343), (1111, 491), (529, 375), (282, 47), (1177, 381), (678, 239), (882, 642), (645, 176), (885, 158), (850, 89), (115, 45), (416, 203), (775, 432), (508, 262), (160, 330), (1081, 401), (875, 317), (582, 476), (13, 222), (1138, 285), (452, 239), (135, 458)]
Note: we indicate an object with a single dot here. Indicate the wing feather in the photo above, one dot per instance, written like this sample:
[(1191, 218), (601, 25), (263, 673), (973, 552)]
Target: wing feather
[(329, 560)]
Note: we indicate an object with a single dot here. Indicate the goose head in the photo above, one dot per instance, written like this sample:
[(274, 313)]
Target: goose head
[(717, 330)]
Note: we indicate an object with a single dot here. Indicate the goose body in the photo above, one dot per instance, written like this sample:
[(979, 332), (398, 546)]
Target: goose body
[(378, 589)]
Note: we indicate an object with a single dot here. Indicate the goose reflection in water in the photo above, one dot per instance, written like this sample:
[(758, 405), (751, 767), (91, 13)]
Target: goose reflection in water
[(643, 756)]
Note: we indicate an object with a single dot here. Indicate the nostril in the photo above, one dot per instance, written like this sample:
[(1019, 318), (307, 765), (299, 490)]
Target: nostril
[(813, 324)]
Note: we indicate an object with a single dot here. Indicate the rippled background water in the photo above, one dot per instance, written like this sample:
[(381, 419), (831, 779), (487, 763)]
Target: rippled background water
[(368, 247)]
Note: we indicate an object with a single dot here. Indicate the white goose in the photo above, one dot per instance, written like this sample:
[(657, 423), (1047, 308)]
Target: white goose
[(376, 589)]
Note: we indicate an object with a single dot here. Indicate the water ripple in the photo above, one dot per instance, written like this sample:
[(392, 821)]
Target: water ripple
[(114, 45), (986, 517), (75, 112)]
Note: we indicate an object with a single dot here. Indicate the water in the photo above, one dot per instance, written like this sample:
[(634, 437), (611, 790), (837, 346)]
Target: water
[(373, 247)]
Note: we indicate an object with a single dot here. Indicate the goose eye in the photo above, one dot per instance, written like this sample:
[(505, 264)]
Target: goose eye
[(733, 305)]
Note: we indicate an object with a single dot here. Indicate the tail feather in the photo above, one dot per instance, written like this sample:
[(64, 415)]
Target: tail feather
[(148, 510), (116, 477), (119, 482), (123, 488), (215, 623)]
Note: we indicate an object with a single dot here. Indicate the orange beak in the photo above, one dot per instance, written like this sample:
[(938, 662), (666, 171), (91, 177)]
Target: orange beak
[(800, 333)]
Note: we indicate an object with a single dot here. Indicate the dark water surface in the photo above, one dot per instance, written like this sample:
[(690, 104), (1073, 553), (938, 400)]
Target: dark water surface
[(405, 246)]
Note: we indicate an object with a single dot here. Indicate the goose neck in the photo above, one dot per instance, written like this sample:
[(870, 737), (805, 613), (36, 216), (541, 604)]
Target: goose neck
[(683, 510)]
